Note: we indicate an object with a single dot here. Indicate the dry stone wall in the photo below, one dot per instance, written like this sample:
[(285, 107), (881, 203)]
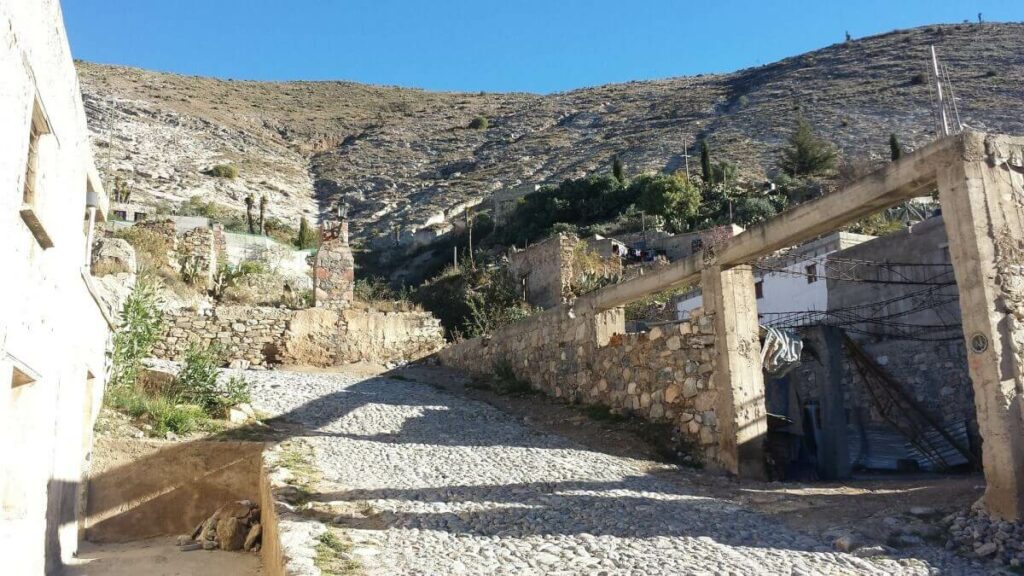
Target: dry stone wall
[(664, 375), (263, 336), (245, 333)]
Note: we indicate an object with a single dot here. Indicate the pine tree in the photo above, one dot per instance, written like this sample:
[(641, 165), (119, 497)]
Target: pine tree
[(807, 154), (894, 147), (705, 161)]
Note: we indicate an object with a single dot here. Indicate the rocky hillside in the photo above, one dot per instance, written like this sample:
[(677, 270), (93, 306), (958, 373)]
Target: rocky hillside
[(408, 160)]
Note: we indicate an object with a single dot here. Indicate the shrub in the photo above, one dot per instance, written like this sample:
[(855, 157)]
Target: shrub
[(479, 123), (807, 154), (918, 79), (196, 382), (376, 289), (196, 206), (141, 323), (506, 381), (223, 171), (152, 249), (236, 391)]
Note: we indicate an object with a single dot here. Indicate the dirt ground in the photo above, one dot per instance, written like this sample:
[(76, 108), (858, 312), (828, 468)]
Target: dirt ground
[(160, 557), (876, 506)]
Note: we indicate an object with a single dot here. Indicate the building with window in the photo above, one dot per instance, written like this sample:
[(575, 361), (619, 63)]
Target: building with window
[(53, 331), (791, 281)]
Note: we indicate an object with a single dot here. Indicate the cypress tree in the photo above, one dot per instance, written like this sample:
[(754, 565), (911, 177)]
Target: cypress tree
[(705, 161), (894, 147), (618, 171)]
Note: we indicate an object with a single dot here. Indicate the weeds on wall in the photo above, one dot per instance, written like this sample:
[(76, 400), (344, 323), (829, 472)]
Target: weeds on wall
[(191, 400)]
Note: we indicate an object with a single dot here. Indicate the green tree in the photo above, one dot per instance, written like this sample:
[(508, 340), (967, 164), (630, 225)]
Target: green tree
[(307, 236), (807, 155), (705, 161), (722, 172), (618, 170), (671, 196), (894, 147)]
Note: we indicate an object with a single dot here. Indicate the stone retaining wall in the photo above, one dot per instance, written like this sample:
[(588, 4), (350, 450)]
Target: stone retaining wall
[(263, 336), (663, 375), (249, 333)]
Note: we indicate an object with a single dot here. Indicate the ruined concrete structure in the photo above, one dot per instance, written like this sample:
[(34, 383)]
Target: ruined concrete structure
[(52, 331), (549, 270), (545, 270), (980, 179)]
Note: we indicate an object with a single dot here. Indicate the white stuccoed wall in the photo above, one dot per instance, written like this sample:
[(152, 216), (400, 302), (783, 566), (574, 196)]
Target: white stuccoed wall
[(787, 290), (48, 319)]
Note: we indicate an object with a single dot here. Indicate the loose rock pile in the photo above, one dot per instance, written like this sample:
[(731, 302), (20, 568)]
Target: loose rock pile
[(234, 526), (975, 533)]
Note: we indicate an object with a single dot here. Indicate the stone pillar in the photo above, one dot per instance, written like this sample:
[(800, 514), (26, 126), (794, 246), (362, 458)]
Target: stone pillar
[(334, 272), (742, 418), (982, 196)]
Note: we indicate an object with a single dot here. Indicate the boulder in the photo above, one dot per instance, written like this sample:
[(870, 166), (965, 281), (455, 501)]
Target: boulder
[(112, 256)]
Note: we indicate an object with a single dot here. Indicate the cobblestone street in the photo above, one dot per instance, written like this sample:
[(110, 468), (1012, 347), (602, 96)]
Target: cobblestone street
[(460, 487)]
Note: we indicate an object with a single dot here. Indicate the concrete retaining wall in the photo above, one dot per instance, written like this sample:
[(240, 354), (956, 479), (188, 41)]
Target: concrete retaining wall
[(145, 488)]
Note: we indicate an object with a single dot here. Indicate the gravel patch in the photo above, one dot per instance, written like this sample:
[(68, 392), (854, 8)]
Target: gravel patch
[(459, 487)]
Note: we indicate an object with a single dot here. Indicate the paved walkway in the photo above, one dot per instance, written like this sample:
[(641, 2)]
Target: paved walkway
[(465, 489)]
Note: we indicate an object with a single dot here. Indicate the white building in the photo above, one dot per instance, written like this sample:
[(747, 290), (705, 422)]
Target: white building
[(53, 330), (789, 282)]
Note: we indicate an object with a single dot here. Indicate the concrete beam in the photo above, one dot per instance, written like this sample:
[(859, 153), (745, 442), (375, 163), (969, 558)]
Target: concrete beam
[(906, 178)]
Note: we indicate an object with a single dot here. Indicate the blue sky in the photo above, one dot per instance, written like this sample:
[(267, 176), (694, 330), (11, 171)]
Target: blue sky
[(512, 45)]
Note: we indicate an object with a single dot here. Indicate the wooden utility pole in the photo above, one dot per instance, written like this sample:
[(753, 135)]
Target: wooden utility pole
[(686, 157), (469, 228)]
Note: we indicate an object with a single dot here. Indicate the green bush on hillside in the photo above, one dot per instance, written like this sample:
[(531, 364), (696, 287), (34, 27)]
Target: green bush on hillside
[(223, 171)]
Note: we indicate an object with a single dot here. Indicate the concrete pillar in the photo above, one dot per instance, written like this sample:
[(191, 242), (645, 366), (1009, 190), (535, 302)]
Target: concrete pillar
[(742, 418), (981, 190)]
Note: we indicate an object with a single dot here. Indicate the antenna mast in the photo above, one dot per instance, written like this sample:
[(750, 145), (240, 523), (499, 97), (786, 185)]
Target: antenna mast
[(947, 113)]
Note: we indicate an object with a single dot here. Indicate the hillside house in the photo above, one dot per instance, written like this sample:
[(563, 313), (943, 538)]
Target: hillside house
[(52, 329)]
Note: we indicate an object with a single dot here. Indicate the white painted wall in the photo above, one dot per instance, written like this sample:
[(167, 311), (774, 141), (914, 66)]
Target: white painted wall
[(787, 291), (49, 323)]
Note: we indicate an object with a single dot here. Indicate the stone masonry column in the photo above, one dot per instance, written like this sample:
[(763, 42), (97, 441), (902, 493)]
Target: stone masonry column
[(981, 191), (740, 408), (334, 271)]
